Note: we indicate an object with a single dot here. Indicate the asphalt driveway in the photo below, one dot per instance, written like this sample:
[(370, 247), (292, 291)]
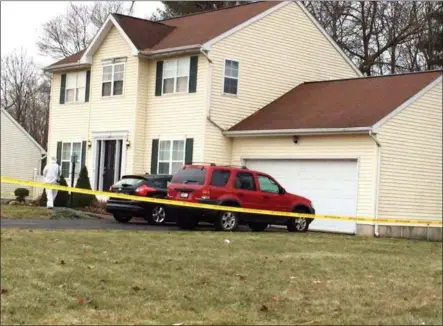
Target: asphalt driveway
[(100, 224)]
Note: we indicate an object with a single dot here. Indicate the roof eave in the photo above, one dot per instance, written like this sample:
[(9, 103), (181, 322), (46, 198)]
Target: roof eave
[(66, 66), (296, 132), (187, 49)]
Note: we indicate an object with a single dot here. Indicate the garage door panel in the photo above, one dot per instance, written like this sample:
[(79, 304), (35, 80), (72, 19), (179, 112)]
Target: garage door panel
[(330, 184)]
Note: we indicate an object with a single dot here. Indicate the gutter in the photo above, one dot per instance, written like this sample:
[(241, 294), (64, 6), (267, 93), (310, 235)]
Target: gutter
[(296, 132), (195, 48), (377, 183), (208, 91), (65, 66)]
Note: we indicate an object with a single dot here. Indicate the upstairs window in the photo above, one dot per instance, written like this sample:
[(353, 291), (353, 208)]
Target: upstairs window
[(176, 76), (231, 77), (75, 87), (112, 80)]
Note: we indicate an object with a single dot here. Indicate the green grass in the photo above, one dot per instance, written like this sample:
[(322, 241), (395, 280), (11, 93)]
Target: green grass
[(121, 277), (24, 212)]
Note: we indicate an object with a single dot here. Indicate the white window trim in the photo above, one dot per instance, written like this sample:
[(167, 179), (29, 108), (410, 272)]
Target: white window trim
[(76, 88), (170, 161), (70, 156), (224, 76), (175, 77), (109, 63)]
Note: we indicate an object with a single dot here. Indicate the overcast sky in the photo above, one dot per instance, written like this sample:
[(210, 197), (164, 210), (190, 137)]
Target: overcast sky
[(21, 23)]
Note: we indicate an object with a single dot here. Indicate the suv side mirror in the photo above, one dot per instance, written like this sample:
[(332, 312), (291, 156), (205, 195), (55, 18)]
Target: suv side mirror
[(282, 191)]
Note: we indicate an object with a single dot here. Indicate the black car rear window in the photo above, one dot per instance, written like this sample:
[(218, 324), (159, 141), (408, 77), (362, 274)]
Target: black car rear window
[(220, 178), (128, 182), (190, 175)]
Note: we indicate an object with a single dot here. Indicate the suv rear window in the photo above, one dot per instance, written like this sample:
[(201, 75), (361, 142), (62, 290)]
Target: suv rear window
[(190, 175), (220, 178), (127, 182)]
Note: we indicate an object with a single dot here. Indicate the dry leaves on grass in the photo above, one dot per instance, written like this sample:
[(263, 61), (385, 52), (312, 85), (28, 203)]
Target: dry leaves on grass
[(85, 300), (4, 291)]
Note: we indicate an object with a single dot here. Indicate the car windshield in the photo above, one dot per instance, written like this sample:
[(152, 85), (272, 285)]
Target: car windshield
[(190, 175), (128, 182)]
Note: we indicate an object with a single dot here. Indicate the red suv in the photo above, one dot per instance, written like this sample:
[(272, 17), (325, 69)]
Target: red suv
[(235, 187)]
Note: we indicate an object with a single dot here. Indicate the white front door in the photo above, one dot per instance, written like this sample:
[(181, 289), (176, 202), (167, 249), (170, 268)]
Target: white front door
[(331, 185)]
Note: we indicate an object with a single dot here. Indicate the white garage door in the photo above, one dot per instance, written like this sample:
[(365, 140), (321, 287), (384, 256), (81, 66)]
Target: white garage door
[(330, 184)]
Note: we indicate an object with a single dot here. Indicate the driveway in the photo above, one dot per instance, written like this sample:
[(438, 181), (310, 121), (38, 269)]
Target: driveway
[(102, 224)]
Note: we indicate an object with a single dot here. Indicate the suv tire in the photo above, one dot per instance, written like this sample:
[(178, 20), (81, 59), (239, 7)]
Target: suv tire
[(226, 221), (299, 224), (157, 215), (187, 222), (258, 227), (121, 218)]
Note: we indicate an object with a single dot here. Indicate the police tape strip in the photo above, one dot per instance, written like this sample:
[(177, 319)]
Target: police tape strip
[(217, 207)]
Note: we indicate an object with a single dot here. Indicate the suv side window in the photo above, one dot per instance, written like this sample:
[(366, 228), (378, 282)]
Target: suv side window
[(267, 184), (245, 181), (220, 178)]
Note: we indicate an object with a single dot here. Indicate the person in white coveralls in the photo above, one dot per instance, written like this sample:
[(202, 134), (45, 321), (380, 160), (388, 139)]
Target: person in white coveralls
[(51, 172)]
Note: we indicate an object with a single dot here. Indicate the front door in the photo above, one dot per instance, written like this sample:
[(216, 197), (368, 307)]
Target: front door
[(109, 164)]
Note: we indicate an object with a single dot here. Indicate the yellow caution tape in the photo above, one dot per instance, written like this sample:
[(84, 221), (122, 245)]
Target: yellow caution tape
[(218, 207)]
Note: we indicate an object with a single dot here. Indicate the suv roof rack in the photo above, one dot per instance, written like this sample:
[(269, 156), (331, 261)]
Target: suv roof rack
[(209, 163), (236, 166)]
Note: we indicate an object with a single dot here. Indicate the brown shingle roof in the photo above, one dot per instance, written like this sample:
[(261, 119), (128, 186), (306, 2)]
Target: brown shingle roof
[(71, 59), (186, 30), (346, 103)]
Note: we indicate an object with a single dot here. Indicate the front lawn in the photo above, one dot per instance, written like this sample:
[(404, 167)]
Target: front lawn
[(121, 277), (24, 212)]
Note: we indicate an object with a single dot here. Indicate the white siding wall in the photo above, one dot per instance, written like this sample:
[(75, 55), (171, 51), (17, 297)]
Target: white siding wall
[(411, 161), (176, 115), (361, 147), (77, 122), (20, 156), (275, 54)]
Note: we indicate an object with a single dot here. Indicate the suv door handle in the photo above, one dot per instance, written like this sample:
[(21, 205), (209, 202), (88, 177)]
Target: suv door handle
[(266, 197), (241, 195)]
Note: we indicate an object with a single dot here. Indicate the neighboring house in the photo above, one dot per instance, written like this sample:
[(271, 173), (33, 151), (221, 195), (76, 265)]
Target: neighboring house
[(21, 155), (150, 96)]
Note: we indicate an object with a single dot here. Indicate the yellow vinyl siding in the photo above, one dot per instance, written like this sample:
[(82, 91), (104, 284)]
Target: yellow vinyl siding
[(360, 147), (411, 161), (20, 156), (176, 115), (275, 54), (115, 113), (67, 122)]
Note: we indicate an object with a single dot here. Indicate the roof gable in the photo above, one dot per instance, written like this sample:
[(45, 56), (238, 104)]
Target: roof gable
[(338, 104), (19, 127)]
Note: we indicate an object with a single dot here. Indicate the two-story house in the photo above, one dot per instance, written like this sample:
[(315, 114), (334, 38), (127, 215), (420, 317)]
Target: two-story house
[(150, 96)]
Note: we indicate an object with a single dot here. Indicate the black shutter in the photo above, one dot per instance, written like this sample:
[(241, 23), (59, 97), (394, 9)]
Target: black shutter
[(193, 67), (62, 89), (159, 79), (59, 152), (189, 150), (83, 154), (154, 156), (88, 82)]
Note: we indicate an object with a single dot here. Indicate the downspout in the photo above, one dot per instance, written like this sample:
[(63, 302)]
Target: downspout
[(208, 91), (377, 182)]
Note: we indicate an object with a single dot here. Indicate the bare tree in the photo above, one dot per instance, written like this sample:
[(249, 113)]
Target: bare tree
[(72, 32), (25, 94)]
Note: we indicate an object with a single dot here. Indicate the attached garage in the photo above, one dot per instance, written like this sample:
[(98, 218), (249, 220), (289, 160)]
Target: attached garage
[(330, 184), (355, 147)]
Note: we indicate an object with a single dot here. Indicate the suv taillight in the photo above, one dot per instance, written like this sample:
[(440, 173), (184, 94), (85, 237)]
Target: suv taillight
[(143, 190), (206, 194)]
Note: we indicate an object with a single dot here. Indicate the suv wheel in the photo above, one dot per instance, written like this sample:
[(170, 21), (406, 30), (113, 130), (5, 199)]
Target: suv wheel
[(226, 221), (258, 227), (122, 218), (298, 224), (157, 216)]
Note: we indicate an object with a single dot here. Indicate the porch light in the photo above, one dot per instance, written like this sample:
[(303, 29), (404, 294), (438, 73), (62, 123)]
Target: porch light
[(128, 143), (89, 144)]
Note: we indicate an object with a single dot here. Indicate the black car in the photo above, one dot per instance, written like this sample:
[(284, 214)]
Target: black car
[(148, 185)]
